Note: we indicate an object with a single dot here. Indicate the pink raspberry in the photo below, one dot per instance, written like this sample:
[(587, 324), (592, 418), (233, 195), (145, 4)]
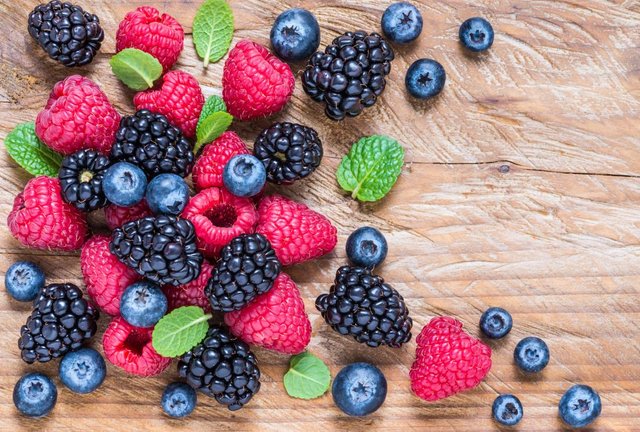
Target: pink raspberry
[(207, 172)]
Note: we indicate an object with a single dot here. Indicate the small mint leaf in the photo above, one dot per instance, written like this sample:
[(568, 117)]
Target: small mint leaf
[(308, 377), (135, 68), (213, 30), (211, 128), (24, 146), (179, 331), (211, 105)]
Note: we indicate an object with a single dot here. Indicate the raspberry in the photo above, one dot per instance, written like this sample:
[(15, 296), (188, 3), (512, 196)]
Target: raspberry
[(207, 171), (219, 217), (117, 216), (41, 219), (255, 83), (130, 348), (104, 275), (179, 99), (192, 293), (161, 36), (78, 115), (275, 320), (296, 232), (448, 360)]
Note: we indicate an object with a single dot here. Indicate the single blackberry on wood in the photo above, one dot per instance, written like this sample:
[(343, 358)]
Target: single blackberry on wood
[(80, 178)]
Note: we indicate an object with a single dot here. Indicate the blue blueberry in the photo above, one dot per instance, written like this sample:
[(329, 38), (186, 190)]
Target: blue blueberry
[(507, 410), (295, 34), (476, 34), (179, 399), (244, 175), (496, 323), (35, 395), (167, 194), (425, 79), (366, 247), (124, 184), (402, 22), (531, 354), (359, 389), (143, 304), (580, 406), (24, 280), (82, 371)]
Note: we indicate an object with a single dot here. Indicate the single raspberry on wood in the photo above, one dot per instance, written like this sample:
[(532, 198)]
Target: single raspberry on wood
[(191, 294), (117, 216), (207, 172)]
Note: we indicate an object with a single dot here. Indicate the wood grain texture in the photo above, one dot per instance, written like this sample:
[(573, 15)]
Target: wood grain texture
[(521, 190)]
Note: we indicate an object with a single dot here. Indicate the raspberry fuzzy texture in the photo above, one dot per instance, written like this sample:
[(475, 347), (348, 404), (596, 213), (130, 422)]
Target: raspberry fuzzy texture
[(275, 320), (207, 172), (78, 115), (255, 83), (144, 28), (130, 348), (296, 232), (117, 216), (179, 99), (104, 275), (448, 360), (191, 294), (42, 220)]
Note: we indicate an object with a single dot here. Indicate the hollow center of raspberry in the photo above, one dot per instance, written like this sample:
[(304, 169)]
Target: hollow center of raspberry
[(85, 176), (136, 341), (222, 215)]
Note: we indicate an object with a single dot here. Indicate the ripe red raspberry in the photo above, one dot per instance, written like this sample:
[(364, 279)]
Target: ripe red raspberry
[(255, 83), (42, 220), (296, 232), (448, 360), (117, 216), (179, 99), (159, 35), (130, 348), (104, 275), (275, 320), (78, 115), (219, 217), (191, 294), (207, 172)]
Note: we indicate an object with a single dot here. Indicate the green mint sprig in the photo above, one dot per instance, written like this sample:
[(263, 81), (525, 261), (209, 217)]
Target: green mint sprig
[(24, 147), (213, 30)]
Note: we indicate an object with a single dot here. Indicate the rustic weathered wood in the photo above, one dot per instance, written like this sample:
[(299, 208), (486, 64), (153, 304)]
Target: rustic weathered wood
[(521, 190)]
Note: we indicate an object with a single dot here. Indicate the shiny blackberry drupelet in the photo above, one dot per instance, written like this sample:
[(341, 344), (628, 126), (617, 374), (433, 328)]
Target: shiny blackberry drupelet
[(162, 249), (350, 75), (80, 176), (222, 367), (149, 141), (60, 322), (364, 306), (248, 266), (289, 151), (66, 32)]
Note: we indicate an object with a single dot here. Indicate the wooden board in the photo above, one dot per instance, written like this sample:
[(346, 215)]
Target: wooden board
[(521, 190)]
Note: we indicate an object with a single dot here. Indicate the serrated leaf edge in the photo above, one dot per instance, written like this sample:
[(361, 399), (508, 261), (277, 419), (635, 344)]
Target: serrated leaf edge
[(52, 158), (201, 138)]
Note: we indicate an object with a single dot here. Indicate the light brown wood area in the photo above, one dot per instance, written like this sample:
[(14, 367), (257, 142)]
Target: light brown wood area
[(521, 189)]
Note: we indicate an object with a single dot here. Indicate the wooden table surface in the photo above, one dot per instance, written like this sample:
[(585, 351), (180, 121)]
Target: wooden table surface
[(521, 189)]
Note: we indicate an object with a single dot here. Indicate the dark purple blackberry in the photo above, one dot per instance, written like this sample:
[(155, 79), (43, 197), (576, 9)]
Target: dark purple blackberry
[(289, 151), (222, 367), (60, 322), (364, 306), (80, 178), (160, 248), (350, 75), (66, 32)]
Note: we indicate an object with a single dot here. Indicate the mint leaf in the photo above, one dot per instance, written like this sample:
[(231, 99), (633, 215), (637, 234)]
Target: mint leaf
[(308, 377), (179, 331), (371, 168), (211, 105), (24, 146), (211, 128), (213, 30), (136, 68)]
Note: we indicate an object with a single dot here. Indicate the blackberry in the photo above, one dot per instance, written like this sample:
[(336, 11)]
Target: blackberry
[(222, 367), (289, 151), (60, 322), (364, 306), (248, 266), (350, 75), (149, 141), (80, 176), (66, 32), (162, 249)]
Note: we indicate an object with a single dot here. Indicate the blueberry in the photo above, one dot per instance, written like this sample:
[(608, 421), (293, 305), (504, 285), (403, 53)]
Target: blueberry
[(35, 395), (167, 194), (580, 406), (24, 280), (531, 354), (507, 410), (425, 79), (124, 184), (244, 175), (476, 34), (496, 323), (359, 389), (295, 34), (82, 371), (402, 22), (143, 304), (366, 247), (179, 399)]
